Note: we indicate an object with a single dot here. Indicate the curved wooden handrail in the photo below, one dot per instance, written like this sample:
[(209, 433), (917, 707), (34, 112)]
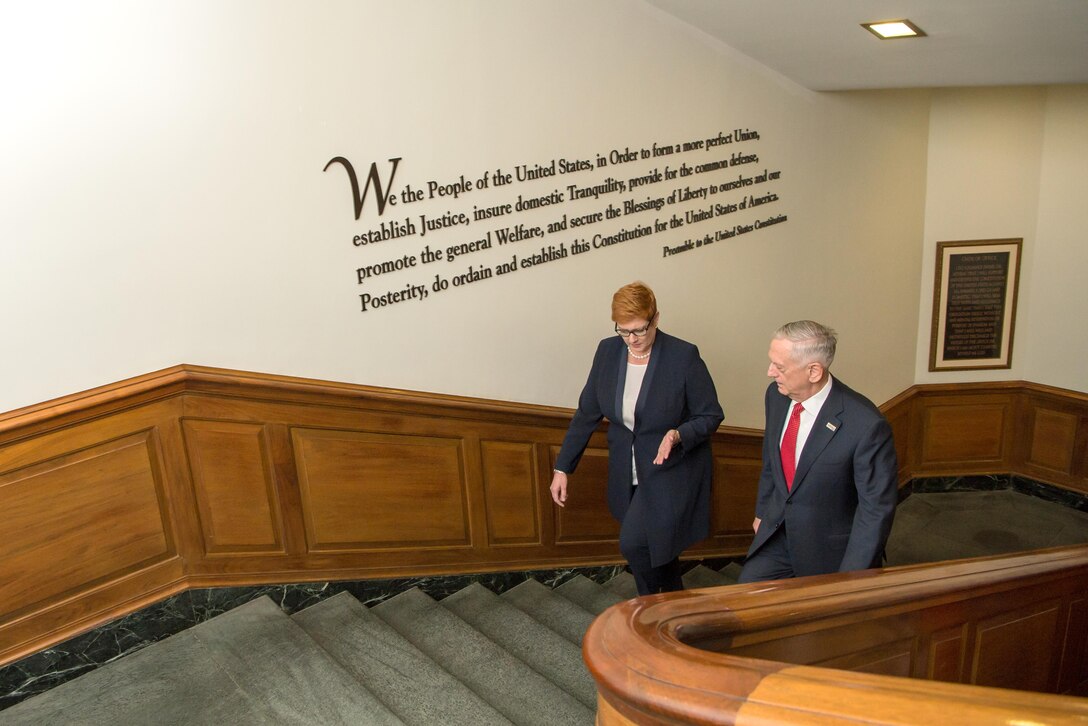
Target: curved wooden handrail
[(670, 659)]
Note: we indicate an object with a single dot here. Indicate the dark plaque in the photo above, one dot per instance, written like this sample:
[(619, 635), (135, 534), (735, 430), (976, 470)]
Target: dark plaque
[(974, 304), (975, 309)]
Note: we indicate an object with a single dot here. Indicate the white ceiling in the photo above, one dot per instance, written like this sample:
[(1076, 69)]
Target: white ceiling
[(821, 45)]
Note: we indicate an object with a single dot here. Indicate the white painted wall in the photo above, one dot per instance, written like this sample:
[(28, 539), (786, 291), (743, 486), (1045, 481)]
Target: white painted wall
[(163, 199), (1054, 338), (1007, 163)]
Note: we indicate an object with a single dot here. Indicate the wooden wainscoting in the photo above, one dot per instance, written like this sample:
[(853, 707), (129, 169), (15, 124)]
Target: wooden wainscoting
[(196, 477), (845, 647), (1017, 428)]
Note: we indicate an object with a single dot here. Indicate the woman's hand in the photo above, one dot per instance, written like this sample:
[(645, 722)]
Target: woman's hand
[(559, 488), (671, 439)]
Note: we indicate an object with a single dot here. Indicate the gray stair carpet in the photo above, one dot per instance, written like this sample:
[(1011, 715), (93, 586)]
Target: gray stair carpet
[(474, 659), (513, 688), (412, 685), (227, 670), (133, 690), (548, 607), (588, 595), (623, 586), (305, 687), (534, 643), (702, 576), (731, 572)]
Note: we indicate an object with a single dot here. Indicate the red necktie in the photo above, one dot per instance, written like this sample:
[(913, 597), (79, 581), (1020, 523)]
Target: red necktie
[(789, 445)]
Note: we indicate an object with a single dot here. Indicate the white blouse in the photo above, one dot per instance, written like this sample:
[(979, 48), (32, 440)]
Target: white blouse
[(631, 388)]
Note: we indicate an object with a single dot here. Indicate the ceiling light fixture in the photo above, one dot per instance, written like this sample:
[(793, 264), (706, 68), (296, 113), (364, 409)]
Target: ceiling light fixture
[(888, 29)]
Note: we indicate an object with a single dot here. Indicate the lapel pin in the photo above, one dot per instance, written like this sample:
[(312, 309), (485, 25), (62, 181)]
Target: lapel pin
[(832, 426)]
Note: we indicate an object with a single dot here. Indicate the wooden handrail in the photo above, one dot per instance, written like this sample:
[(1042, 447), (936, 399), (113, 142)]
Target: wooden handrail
[(744, 654)]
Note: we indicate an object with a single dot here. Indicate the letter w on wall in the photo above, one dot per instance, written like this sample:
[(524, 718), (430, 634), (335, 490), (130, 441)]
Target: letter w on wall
[(372, 178)]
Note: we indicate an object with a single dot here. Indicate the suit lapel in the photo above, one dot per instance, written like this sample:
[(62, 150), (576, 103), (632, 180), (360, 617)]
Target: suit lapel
[(821, 434), (777, 422), (660, 349), (621, 381)]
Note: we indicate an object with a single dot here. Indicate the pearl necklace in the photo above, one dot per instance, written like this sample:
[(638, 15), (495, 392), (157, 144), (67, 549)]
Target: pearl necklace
[(644, 356)]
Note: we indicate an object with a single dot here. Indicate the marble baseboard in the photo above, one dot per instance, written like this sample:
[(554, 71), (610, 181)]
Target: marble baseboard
[(996, 482), (53, 666)]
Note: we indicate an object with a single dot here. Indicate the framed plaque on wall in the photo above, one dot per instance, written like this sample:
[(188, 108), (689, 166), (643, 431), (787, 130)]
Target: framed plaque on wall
[(974, 304)]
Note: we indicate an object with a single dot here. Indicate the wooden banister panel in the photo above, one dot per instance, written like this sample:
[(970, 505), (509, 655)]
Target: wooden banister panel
[(947, 655), (1009, 614), (1074, 664), (1019, 648)]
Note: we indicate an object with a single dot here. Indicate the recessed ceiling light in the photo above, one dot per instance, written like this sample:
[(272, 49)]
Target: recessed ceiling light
[(887, 29)]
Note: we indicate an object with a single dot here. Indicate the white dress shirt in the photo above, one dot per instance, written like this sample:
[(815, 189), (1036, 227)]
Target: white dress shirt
[(810, 409)]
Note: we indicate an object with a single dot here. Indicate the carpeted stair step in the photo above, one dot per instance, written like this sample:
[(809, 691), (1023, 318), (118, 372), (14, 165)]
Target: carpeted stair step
[(547, 607), (276, 663), (622, 586), (588, 595), (251, 665), (508, 684), (412, 685), (138, 690), (702, 576), (731, 572), (534, 643)]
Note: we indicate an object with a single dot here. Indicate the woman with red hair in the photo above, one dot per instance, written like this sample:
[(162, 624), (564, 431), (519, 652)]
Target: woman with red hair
[(661, 405)]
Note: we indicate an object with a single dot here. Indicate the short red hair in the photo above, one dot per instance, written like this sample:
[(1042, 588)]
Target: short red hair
[(635, 300)]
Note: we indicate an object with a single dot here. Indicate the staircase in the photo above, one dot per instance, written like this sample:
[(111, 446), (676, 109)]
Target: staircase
[(472, 658)]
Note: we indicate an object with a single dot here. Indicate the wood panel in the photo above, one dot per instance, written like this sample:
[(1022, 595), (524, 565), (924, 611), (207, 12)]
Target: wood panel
[(900, 414), (995, 428), (733, 498), (364, 491), (887, 659), (79, 519), (1016, 649), (965, 433), (1074, 665), (947, 655), (511, 493), (586, 517), (1053, 437), (236, 497)]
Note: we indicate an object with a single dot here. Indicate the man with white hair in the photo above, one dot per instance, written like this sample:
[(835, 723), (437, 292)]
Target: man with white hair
[(828, 489)]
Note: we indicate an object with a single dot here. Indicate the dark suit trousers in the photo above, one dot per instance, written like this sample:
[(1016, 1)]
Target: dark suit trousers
[(635, 546), (771, 562)]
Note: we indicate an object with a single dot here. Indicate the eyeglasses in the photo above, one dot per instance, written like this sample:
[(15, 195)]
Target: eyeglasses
[(623, 333)]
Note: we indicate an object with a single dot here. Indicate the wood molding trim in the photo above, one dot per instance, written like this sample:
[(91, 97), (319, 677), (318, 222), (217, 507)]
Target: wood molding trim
[(197, 477), (850, 647)]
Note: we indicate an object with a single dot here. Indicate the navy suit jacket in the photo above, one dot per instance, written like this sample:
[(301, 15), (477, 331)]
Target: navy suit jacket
[(677, 393), (839, 513)]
